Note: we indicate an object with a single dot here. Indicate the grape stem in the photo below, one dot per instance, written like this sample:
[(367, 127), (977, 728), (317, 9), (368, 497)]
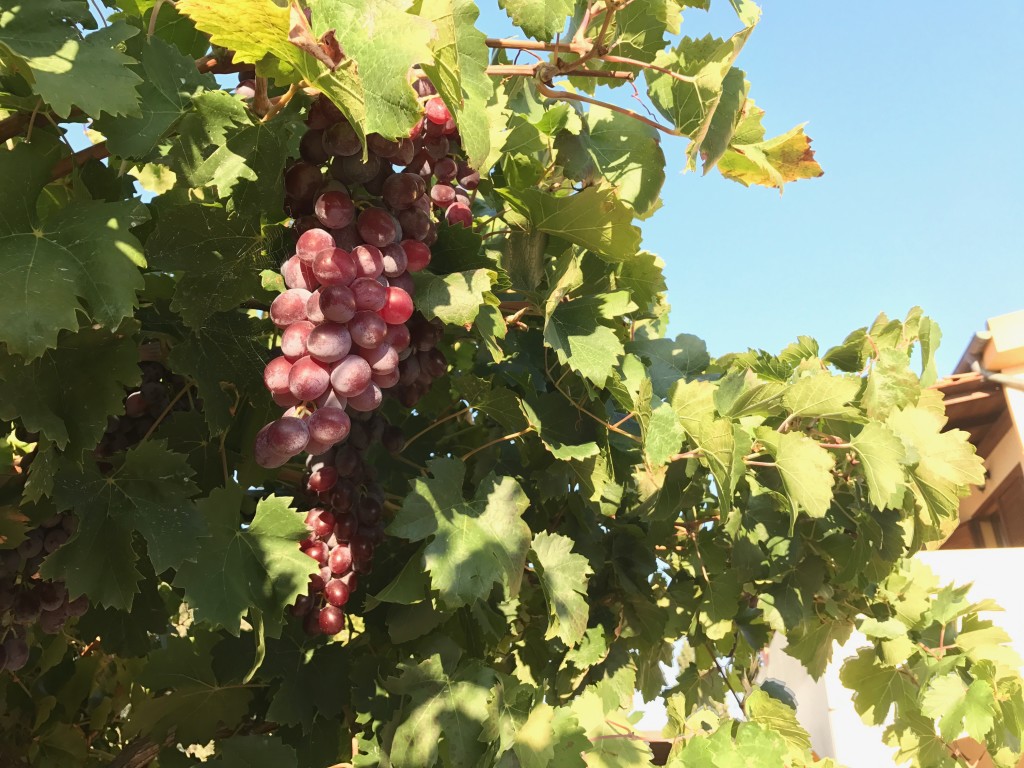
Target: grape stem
[(506, 438), (281, 103), (437, 423), (566, 96)]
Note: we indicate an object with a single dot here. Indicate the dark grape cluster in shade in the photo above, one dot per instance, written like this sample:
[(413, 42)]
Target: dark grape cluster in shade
[(143, 406), (26, 600)]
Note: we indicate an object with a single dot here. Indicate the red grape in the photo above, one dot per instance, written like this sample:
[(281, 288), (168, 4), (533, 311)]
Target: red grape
[(293, 340), (331, 620), (298, 274), (289, 307), (311, 242), (369, 261), (398, 306), (329, 425), (337, 303), (437, 111), (350, 376), (336, 592), (377, 227), (334, 209), (367, 329), (369, 294), (329, 342), (275, 375), (367, 400), (308, 379), (333, 266), (417, 255), (459, 213)]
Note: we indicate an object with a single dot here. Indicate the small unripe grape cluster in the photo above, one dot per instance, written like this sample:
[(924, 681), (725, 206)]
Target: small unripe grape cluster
[(26, 599), (143, 405)]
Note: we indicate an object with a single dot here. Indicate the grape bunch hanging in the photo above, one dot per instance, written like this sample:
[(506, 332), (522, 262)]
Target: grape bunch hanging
[(349, 330), (27, 600)]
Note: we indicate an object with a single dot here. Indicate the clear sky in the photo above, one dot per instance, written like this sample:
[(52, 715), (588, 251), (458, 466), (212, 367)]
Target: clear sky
[(915, 110)]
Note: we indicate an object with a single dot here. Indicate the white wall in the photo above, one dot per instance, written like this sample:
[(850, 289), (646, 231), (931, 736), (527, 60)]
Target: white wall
[(836, 729)]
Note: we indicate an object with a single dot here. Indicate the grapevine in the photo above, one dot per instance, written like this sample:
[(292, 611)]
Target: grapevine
[(341, 425)]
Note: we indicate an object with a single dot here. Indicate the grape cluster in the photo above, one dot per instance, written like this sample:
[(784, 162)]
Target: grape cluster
[(348, 329), (27, 600), (142, 407), (346, 525)]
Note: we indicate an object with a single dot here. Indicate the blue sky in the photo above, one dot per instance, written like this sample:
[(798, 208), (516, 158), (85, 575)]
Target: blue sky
[(914, 109)]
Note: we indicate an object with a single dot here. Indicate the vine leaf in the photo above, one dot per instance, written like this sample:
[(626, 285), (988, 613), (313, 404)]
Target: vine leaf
[(594, 219), (806, 470), (65, 67), (877, 687), (197, 703), (440, 706), (68, 393), (169, 84), (943, 464), (752, 159), (775, 716), (218, 256), (821, 395), (456, 298), (574, 329), (883, 457), (80, 259), (225, 357), (150, 493), (563, 577), (474, 544), (238, 568), (255, 751), (458, 71), (959, 707), (542, 19), (384, 41)]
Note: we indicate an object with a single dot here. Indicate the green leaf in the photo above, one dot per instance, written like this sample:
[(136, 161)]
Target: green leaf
[(198, 705), (753, 747), (541, 19), (219, 144), (959, 707), (441, 707), (310, 674), (563, 577), (239, 568), (821, 395), (384, 41), (890, 385), (944, 463), (691, 104), (594, 219), (459, 73), (252, 29), (663, 435), (877, 687), (671, 360), (806, 470), (557, 422), (628, 155), (225, 357), (170, 81), (218, 254), (576, 332), (883, 457), (149, 493), (751, 159), (68, 69), (68, 393), (473, 544), (775, 716), (456, 298), (82, 258), (254, 751)]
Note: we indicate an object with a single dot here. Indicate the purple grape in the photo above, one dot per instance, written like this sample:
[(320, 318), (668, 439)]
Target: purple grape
[(369, 294), (350, 376), (337, 303), (329, 342), (367, 329), (329, 425)]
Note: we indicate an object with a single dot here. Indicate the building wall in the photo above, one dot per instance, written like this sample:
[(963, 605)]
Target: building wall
[(835, 727)]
